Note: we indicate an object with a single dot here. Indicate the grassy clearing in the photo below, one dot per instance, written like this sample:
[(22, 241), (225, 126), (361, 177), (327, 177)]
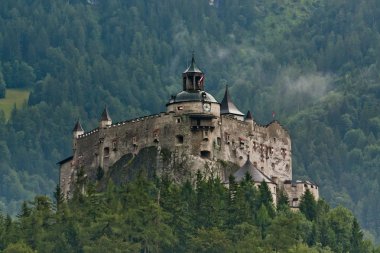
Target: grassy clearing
[(13, 97)]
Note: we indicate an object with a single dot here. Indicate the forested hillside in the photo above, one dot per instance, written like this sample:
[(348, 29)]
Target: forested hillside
[(313, 62)]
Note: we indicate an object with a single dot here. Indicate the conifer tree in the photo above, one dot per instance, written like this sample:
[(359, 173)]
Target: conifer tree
[(308, 205)]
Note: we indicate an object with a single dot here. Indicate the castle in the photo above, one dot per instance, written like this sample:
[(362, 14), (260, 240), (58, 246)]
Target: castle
[(199, 128)]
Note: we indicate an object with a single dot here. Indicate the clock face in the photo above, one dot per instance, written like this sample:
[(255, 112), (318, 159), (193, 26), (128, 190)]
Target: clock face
[(207, 107)]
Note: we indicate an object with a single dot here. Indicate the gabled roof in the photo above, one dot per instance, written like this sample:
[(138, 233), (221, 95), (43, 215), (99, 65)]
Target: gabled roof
[(105, 115), (78, 127), (257, 175), (249, 115), (227, 106), (192, 68)]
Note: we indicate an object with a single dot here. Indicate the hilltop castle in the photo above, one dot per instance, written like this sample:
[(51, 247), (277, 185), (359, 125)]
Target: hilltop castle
[(197, 129)]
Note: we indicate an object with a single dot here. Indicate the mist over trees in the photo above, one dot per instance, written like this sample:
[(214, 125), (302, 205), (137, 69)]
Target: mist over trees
[(313, 62)]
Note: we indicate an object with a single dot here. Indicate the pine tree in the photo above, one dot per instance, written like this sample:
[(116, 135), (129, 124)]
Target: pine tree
[(308, 205)]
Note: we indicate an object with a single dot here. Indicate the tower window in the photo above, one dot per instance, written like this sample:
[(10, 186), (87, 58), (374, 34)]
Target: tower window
[(179, 139)]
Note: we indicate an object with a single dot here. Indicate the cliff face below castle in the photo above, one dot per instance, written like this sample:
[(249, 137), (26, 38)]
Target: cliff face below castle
[(163, 163)]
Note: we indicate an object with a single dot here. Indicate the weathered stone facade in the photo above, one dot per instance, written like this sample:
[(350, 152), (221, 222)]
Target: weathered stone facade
[(196, 126)]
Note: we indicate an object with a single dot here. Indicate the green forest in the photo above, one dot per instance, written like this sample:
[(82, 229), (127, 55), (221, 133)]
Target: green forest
[(155, 215), (313, 62)]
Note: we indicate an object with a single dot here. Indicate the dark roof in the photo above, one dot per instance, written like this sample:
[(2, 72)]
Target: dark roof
[(227, 106), (78, 127), (187, 96), (257, 175), (249, 115), (65, 160), (105, 115), (193, 67)]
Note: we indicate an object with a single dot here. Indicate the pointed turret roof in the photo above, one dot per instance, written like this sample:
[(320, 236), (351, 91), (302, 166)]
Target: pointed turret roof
[(78, 127), (249, 115), (257, 175), (105, 115), (193, 67), (227, 106)]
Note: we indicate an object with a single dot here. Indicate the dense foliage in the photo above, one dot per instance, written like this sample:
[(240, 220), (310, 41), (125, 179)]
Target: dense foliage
[(159, 216), (314, 62)]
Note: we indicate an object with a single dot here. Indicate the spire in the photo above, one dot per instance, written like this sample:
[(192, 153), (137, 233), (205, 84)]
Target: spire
[(105, 115), (105, 119), (77, 130), (78, 127), (227, 106), (193, 67), (249, 116)]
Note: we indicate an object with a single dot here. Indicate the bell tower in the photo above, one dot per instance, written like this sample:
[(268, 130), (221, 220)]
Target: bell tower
[(193, 78)]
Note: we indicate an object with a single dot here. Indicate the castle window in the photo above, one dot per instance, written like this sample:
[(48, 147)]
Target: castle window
[(227, 136), (106, 151), (114, 145), (274, 139), (134, 141), (305, 185), (283, 152), (205, 135), (156, 135), (178, 120), (179, 108), (179, 139), (205, 154), (218, 141), (295, 202)]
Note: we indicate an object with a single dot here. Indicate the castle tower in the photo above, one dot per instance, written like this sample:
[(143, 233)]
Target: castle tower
[(193, 78), (105, 119), (227, 107), (77, 130), (249, 120), (193, 100), (248, 117)]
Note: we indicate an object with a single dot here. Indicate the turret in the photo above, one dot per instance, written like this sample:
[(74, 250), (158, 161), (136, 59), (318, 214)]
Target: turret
[(248, 117), (249, 120), (105, 119), (77, 130), (193, 78), (227, 107)]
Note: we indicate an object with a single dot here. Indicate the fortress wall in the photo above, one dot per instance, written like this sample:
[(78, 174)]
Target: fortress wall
[(65, 178), (109, 144), (269, 147), (235, 143)]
